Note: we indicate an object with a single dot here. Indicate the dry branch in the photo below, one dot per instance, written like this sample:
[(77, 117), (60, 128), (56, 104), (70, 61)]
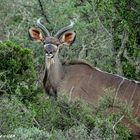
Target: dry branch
[(42, 11), (121, 51)]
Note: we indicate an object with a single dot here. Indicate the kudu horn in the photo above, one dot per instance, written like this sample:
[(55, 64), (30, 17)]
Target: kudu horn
[(42, 27), (65, 29)]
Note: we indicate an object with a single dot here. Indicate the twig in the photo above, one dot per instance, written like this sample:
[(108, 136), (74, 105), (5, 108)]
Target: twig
[(115, 126), (82, 51), (121, 51), (97, 16), (25, 110), (42, 11), (133, 62)]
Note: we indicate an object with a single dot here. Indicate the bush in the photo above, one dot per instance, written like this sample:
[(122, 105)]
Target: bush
[(17, 71), (30, 134), (13, 114), (61, 114), (75, 133), (62, 120), (76, 120)]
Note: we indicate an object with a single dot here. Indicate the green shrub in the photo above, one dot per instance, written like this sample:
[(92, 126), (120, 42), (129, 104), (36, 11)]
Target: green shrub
[(62, 120), (17, 71), (120, 108), (76, 120), (30, 134), (37, 134), (61, 114), (13, 114)]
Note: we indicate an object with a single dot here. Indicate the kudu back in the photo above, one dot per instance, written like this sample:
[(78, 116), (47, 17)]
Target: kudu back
[(79, 79)]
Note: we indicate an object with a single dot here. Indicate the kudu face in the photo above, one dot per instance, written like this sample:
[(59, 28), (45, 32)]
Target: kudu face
[(51, 48), (52, 44)]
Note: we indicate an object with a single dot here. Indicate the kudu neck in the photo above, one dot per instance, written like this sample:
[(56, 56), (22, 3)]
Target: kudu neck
[(54, 70)]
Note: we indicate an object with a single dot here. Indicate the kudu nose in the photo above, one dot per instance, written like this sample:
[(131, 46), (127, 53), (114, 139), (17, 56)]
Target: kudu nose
[(49, 52), (49, 49)]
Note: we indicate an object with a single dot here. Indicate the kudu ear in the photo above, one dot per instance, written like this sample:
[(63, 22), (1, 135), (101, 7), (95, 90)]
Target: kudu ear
[(35, 34), (68, 38)]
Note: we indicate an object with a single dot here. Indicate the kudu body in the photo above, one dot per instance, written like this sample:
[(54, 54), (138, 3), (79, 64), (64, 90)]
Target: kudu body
[(79, 79)]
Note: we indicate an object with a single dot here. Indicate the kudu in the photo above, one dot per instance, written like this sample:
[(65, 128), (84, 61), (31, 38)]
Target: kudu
[(79, 79)]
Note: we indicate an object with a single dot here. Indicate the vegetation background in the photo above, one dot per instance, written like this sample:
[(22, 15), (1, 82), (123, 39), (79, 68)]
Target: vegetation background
[(108, 36)]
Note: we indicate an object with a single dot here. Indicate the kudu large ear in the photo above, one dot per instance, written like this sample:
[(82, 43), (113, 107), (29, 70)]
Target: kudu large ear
[(35, 34), (68, 37)]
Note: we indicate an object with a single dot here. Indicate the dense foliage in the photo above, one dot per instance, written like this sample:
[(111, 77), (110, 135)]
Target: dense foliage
[(17, 73), (61, 119)]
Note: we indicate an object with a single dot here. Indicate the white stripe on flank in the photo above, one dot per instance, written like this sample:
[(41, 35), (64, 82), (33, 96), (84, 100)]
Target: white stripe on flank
[(116, 75)]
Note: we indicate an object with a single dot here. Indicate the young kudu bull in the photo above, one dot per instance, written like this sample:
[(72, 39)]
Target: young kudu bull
[(79, 79)]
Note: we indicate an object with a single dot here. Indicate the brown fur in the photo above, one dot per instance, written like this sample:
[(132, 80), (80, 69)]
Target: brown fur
[(81, 80)]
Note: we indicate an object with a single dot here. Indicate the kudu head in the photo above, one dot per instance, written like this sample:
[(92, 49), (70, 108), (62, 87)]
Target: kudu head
[(52, 44)]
